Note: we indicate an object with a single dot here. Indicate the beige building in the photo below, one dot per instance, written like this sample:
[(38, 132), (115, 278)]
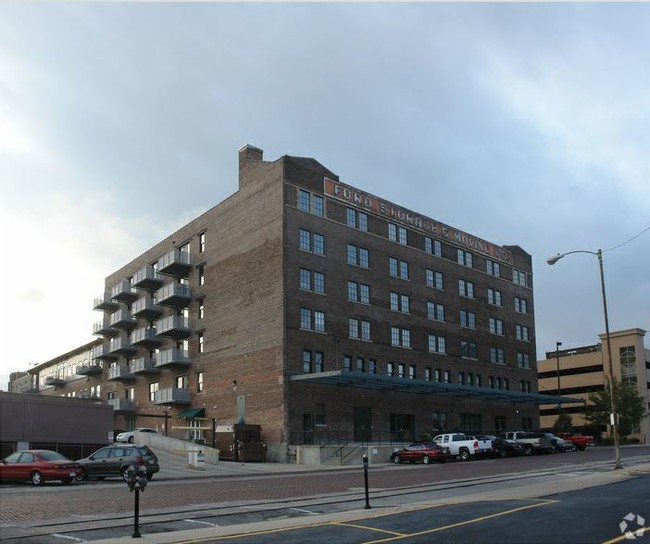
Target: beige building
[(577, 372)]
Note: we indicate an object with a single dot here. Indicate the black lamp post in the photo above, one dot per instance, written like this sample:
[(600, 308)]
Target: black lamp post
[(557, 360), (614, 415)]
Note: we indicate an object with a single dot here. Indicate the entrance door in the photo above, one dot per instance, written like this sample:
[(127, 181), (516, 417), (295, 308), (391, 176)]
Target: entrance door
[(362, 424), (308, 429)]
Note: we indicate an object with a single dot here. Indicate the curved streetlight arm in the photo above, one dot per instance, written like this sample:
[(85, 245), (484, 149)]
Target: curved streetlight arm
[(555, 258)]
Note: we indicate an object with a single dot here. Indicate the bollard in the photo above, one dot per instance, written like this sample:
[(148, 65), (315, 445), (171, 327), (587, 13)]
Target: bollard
[(365, 477)]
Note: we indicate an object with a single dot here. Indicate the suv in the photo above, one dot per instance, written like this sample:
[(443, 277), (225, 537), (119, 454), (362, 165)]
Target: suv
[(533, 442), (115, 460)]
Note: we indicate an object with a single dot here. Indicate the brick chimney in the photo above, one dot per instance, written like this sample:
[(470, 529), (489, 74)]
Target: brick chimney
[(247, 154)]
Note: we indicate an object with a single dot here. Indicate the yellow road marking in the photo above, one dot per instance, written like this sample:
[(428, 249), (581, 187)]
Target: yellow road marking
[(366, 528)]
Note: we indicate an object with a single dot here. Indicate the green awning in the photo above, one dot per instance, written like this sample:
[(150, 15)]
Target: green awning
[(191, 413)]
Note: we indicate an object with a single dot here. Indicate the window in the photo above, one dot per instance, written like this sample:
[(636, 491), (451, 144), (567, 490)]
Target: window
[(359, 329), (523, 360), (435, 311), (357, 220), (628, 365), (478, 381), (312, 281), (434, 279), (397, 234), (400, 370), (439, 421), (437, 344), (199, 382), (312, 320), (465, 288), (372, 366), (434, 247), (319, 414), (497, 356), (358, 292), (467, 319), (468, 349), (153, 389), (412, 372), (201, 273), (494, 297), (447, 376), (524, 386), (464, 258), (201, 341), (181, 382), (358, 256), (312, 361), (400, 303), (493, 268), (361, 364), (427, 373), (309, 202), (390, 369), (496, 326), (521, 305), (470, 378), (437, 374), (202, 242), (201, 310), (521, 333), (130, 393), (312, 242), (461, 378), (519, 277), (400, 337), (347, 363), (398, 269)]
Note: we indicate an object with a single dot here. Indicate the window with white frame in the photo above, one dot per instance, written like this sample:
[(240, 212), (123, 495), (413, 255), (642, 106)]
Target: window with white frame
[(523, 360), (357, 219), (398, 268), (493, 268), (359, 329), (433, 247), (435, 311), (153, 389), (202, 242), (200, 336), (310, 202), (521, 305), (465, 288), (519, 277), (400, 302), (312, 242), (400, 337), (494, 297), (358, 256), (200, 384), (467, 319), (497, 356), (521, 333), (397, 234), (496, 326), (434, 279), (464, 258), (358, 292), (437, 344), (312, 320), (313, 281)]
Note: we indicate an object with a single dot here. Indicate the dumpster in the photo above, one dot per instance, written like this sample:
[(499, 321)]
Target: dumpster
[(240, 442)]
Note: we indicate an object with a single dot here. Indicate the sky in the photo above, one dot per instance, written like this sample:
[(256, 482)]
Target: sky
[(524, 124)]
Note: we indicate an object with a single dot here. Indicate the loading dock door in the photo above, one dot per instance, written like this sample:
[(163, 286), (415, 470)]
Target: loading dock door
[(362, 424)]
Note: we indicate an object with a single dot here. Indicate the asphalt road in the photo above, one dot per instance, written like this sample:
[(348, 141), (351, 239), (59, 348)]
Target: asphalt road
[(261, 501)]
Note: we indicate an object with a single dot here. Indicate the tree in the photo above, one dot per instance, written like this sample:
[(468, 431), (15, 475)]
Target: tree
[(629, 406), (563, 423)]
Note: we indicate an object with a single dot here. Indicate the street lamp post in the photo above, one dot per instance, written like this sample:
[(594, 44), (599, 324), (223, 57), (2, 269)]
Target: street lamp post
[(557, 361), (614, 415)]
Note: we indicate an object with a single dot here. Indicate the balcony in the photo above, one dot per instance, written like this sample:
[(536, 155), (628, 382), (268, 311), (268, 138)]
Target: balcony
[(122, 319), (124, 292), (145, 337), (120, 346), (144, 365), (146, 308), (175, 295), (56, 381), (105, 303), (120, 373), (147, 278), (100, 329), (175, 263), (172, 357), (173, 326), (172, 395), (89, 369), (103, 353), (122, 405)]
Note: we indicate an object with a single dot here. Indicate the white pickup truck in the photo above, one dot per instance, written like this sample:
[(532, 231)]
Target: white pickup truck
[(460, 445)]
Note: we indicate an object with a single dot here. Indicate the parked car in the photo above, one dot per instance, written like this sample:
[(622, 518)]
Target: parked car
[(503, 447), (38, 466), (581, 441), (115, 460), (459, 445), (559, 445), (421, 451), (533, 442), (128, 436)]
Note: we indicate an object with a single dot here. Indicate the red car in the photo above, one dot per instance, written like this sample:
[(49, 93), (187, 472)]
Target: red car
[(421, 451), (37, 466)]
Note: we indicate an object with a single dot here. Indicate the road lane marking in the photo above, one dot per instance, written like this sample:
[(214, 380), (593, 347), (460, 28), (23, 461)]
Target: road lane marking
[(624, 537), (367, 528), (201, 522)]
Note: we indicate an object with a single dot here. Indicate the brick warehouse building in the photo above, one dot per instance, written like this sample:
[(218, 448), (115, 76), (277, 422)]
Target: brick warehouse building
[(322, 313)]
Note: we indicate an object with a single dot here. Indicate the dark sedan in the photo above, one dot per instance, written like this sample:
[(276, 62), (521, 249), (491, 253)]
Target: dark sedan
[(503, 447), (38, 466), (421, 451)]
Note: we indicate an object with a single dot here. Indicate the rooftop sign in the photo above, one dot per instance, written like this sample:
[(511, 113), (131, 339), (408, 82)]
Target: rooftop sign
[(371, 203)]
